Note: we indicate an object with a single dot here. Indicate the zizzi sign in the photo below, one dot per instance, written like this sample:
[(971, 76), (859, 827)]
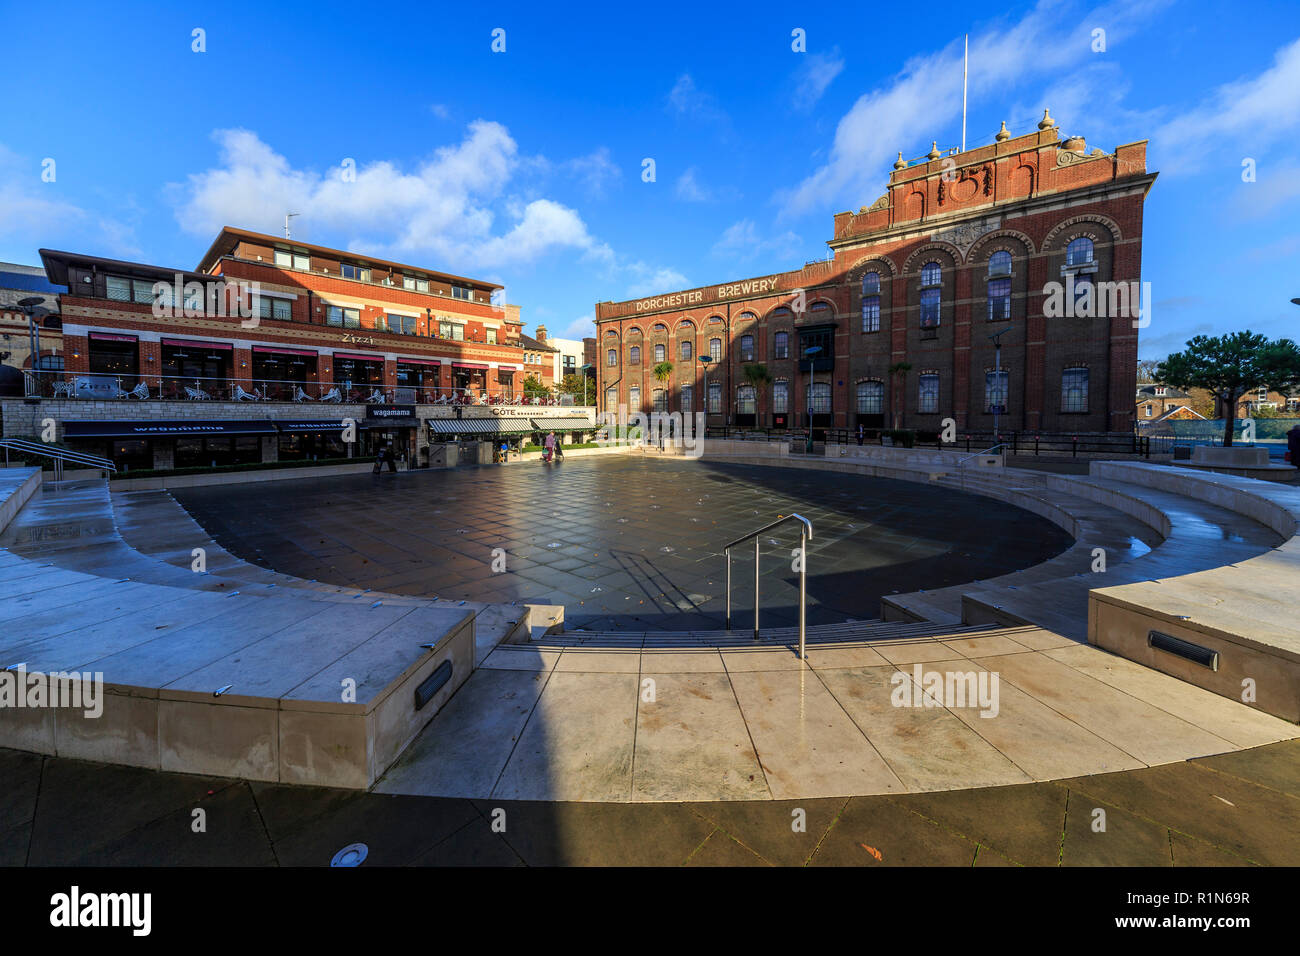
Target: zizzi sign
[(735, 289), (358, 339)]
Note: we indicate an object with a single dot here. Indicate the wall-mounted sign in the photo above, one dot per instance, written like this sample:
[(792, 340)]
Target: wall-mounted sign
[(398, 414), (358, 339), (717, 293)]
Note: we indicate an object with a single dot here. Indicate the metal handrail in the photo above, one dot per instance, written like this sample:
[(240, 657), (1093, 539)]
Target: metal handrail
[(805, 533), (60, 455), (961, 461)]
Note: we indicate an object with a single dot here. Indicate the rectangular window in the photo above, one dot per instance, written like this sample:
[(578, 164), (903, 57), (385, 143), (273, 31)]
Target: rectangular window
[(301, 260), (871, 314), (781, 344), (414, 284), (634, 398), (492, 336), (460, 292), (747, 348), (283, 259), (781, 397), (279, 309), (999, 300), (451, 330), (401, 324), (355, 272), (995, 392), (929, 308), (342, 318), (715, 398), (927, 400), (686, 350), (688, 398), (119, 290), (1074, 390), (715, 349)]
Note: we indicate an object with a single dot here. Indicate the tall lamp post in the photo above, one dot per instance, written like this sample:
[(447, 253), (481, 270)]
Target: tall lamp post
[(997, 375), (811, 352), (28, 307), (706, 360), (583, 369)]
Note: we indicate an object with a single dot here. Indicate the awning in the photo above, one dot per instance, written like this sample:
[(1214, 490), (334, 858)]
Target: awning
[(467, 365), (479, 426), (265, 349), (165, 429), (197, 343), (358, 358), (297, 426), (106, 337), (564, 424), (416, 361)]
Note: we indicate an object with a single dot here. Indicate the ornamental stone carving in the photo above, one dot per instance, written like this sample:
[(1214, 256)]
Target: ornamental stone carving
[(964, 234)]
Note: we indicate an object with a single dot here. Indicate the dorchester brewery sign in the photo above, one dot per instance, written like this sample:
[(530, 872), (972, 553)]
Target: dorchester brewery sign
[(695, 297)]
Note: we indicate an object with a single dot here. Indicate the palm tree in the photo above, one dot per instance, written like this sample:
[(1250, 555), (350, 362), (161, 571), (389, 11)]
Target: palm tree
[(757, 375), (662, 373), (897, 371)]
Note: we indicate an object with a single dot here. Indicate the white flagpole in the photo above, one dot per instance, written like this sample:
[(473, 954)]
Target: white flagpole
[(965, 64)]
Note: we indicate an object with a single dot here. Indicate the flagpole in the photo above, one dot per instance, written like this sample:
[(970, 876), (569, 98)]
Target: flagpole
[(965, 64)]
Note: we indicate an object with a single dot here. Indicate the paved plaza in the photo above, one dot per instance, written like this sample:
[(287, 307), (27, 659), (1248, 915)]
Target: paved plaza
[(625, 542)]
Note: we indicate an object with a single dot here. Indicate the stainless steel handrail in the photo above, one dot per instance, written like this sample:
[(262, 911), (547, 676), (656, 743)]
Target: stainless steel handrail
[(805, 534), (60, 455), (961, 461)]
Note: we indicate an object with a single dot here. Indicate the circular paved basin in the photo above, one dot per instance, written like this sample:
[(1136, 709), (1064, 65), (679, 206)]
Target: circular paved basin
[(625, 543)]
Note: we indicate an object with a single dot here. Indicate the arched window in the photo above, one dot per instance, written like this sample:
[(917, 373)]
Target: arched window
[(931, 294), (820, 310), (927, 397), (1074, 390), (659, 352), (818, 396), (1000, 263), (745, 400), (634, 355), (686, 349), (660, 329), (871, 283), (634, 398), (715, 398), (611, 398), (781, 397), (715, 349), (745, 317), (1078, 252), (611, 357), (871, 398), (781, 344), (747, 348), (687, 395)]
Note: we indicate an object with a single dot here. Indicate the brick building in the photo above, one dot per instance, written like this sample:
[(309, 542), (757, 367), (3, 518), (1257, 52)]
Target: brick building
[(1032, 236), (325, 327)]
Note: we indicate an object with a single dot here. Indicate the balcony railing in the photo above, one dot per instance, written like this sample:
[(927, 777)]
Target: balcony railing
[(93, 386)]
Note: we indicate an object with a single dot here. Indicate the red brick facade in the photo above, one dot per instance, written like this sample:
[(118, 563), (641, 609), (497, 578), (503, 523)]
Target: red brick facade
[(1029, 196)]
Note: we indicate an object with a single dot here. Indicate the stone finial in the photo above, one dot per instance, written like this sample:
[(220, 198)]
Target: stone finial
[(900, 163), (1003, 134), (934, 150), (1046, 122)]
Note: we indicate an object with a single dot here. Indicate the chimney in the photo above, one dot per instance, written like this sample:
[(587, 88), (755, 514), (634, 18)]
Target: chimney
[(541, 334)]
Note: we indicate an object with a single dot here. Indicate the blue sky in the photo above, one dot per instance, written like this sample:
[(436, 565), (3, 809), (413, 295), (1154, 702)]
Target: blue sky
[(525, 167)]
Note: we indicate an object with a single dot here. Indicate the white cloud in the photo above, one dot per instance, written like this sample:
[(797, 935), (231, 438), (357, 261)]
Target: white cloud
[(654, 281), (1248, 113), (440, 110), (686, 100), (582, 327), (445, 208), (885, 120), (816, 73), (594, 172), (742, 241), (689, 188)]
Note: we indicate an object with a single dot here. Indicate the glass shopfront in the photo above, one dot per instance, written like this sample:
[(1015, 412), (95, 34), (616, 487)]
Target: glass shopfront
[(115, 355), (278, 374), (216, 452), (357, 378), (470, 381), (312, 446), (417, 382), (195, 369)]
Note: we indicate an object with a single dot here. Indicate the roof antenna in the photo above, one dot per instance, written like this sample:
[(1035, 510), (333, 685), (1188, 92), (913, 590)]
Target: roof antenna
[(965, 64), (287, 217)]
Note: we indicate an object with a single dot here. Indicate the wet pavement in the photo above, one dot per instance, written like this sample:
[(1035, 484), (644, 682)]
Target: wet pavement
[(625, 543)]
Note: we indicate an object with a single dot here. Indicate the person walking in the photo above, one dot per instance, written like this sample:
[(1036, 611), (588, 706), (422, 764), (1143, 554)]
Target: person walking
[(549, 444), (861, 434), (379, 461), (391, 455), (559, 450)]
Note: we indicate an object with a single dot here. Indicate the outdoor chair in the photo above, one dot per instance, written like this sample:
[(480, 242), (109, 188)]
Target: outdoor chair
[(193, 394), (141, 391), (243, 396), (300, 396), (333, 395)]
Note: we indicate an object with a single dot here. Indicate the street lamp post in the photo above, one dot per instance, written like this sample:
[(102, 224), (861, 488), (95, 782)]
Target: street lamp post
[(28, 307), (997, 376), (705, 360), (583, 370), (811, 352)]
